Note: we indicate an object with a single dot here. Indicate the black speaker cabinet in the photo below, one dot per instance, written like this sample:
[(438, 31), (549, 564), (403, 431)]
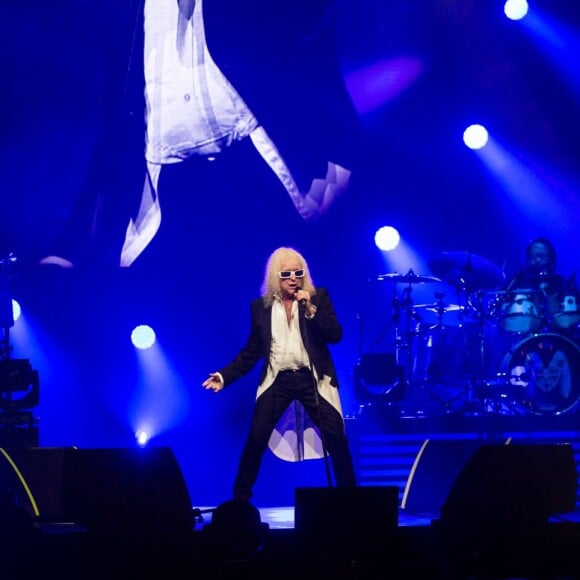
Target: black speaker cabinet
[(461, 479), (349, 522), (31, 478), (113, 489), (512, 486), (435, 469), (495, 521)]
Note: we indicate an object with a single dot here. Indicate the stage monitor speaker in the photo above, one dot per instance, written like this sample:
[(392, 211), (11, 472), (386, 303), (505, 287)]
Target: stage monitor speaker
[(138, 490), (512, 486), (31, 478), (436, 466), (347, 522), (112, 489)]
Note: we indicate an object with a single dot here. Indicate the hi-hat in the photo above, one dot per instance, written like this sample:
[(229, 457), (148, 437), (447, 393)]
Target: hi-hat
[(409, 278), (434, 307), (467, 270)]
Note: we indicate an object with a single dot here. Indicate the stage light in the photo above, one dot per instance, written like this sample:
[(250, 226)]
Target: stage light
[(475, 136), (515, 9), (387, 238), (16, 310), (142, 438), (143, 336), (19, 393)]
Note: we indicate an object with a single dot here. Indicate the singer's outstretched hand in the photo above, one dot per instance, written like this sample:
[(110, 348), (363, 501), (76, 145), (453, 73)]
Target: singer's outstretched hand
[(214, 382)]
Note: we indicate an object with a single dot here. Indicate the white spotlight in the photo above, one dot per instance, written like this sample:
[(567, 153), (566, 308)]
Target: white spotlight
[(515, 9), (387, 238), (475, 136), (16, 310), (143, 336), (142, 438)]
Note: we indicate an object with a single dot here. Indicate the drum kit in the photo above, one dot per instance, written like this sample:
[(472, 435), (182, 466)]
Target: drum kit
[(512, 351)]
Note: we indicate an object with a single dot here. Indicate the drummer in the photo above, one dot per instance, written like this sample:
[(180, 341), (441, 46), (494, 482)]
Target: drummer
[(554, 296)]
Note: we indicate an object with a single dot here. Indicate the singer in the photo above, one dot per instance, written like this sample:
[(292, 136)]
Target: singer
[(292, 324)]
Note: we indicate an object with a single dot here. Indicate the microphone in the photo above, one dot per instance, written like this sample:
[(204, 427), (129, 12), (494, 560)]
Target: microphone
[(302, 301)]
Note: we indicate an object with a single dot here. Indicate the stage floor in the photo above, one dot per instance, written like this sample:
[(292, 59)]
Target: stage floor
[(282, 518), (349, 550)]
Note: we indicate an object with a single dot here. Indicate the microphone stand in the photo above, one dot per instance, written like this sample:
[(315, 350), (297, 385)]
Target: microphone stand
[(306, 339)]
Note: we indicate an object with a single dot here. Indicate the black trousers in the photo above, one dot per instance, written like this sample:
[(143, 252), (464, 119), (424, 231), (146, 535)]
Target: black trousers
[(290, 386)]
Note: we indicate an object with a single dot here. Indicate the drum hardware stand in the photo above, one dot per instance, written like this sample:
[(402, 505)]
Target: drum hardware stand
[(481, 337), (440, 307), (471, 403), (468, 271), (489, 392), (495, 397), (404, 340), (546, 313), (404, 343)]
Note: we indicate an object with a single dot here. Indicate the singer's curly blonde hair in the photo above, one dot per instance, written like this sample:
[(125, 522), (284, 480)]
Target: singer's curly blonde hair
[(271, 283)]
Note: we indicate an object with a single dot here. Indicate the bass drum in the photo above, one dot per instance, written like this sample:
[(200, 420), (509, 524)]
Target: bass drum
[(542, 374)]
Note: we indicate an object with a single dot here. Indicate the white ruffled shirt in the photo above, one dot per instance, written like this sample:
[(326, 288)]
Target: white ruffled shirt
[(295, 437), (192, 109)]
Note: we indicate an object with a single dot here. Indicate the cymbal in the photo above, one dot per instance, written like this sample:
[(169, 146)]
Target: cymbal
[(523, 291), (409, 278), (510, 292), (440, 308), (467, 270)]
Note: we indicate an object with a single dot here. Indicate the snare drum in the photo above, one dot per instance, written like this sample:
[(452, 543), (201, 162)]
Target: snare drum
[(521, 312)]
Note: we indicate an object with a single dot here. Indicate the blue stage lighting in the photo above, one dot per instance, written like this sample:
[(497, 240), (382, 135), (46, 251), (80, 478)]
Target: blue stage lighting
[(142, 438), (16, 310), (387, 238), (515, 9), (475, 136), (143, 336)]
